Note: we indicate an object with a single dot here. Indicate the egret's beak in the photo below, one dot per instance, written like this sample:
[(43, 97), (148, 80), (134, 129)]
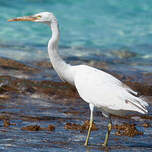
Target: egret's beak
[(24, 18)]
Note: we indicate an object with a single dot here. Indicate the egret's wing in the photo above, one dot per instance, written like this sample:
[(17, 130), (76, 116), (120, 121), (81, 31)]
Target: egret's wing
[(103, 90)]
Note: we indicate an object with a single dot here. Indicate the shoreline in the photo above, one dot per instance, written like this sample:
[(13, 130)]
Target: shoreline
[(33, 99)]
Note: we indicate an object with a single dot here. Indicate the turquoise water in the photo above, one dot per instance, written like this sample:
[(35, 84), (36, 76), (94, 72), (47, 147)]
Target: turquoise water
[(100, 27), (118, 32)]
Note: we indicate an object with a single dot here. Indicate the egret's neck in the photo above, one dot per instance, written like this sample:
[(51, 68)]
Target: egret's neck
[(61, 67)]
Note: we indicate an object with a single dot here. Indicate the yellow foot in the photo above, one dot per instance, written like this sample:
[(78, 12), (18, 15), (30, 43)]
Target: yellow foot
[(104, 145), (86, 144)]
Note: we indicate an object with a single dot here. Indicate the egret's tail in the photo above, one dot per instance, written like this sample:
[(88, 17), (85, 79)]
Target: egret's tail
[(137, 101), (140, 104)]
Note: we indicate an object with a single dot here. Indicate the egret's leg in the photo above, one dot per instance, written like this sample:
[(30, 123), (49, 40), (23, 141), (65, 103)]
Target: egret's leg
[(108, 133), (90, 125)]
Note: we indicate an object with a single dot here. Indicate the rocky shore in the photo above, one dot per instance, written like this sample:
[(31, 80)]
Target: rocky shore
[(32, 98)]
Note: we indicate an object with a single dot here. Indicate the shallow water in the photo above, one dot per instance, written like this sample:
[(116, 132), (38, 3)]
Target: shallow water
[(111, 35), (51, 112), (34, 95), (96, 27)]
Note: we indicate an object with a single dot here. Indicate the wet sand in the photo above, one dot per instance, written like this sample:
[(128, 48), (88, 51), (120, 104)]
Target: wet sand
[(38, 112)]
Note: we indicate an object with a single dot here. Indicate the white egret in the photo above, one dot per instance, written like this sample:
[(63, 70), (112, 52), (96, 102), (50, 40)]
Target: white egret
[(94, 86)]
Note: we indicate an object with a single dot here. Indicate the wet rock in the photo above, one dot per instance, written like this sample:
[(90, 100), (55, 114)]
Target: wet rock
[(12, 64), (23, 86), (4, 117), (146, 125), (123, 54), (20, 95), (44, 64), (127, 130), (13, 85), (99, 65), (73, 126), (38, 128), (31, 128), (7, 123), (147, 78), (143, 89), (4, 96), (85, 126), (138, 83), (59, 90), (51, 128)]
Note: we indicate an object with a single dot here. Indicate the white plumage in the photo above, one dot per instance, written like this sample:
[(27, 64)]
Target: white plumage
[(94, 86), (106, 92)]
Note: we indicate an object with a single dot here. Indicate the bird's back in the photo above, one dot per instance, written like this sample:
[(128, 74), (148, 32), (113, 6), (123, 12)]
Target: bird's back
[(105, 91)]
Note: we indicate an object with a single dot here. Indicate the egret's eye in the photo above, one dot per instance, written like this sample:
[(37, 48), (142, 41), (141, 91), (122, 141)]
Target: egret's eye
[(38, 17)]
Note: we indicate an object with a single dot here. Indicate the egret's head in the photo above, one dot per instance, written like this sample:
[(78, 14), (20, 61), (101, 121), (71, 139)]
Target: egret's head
[(43, 17)]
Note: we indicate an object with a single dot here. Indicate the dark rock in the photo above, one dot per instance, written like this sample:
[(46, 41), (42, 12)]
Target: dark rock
[(6, 123), (73, 126), (51, 128), (123, 54), (43, 64), (38, 128), (85, 126), (31, 128), (12, 64), (143, 89), (127, 130), (146, 125)]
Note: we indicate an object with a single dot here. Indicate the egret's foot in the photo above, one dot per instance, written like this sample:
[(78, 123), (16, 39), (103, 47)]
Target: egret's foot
[(86, 144), (90, 125), (87, 139), (89, 131), (107, 135), (104, 145)]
